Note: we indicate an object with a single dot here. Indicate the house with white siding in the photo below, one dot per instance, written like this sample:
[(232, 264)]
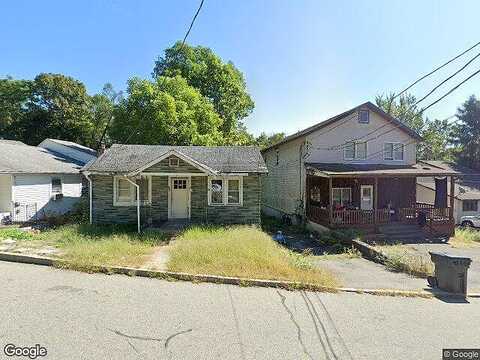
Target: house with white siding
[(40, 181), (467, 190), (356, 169)]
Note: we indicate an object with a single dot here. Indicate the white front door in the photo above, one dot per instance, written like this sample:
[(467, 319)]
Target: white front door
[(179, 198), (366, 197)]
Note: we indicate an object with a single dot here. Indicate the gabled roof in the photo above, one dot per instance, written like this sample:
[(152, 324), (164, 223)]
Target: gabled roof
[(127, 159), (368, 104), (19, 158)]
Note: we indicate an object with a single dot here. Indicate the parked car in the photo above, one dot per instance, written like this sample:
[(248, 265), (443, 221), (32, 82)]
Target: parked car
[(470, 221)]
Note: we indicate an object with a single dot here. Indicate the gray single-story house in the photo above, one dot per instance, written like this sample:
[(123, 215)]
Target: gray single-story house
[(151, 184)]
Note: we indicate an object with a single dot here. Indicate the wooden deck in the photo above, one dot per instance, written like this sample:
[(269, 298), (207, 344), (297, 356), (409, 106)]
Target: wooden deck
[(437, 220)]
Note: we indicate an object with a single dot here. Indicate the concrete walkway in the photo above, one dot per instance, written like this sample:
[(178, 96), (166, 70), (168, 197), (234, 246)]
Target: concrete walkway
[(361, 273)]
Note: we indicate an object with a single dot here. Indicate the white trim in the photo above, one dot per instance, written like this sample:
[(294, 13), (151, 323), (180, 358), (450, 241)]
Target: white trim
[(342, 188), (393, 151), (171, 174), (189, 190), (170, 161), (179, 155), (138, 203), (371, 193), (355, 152), (89, 196), (132, 201), (225, 190)]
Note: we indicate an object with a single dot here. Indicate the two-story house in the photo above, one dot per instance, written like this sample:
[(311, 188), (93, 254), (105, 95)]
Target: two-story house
[(356, 169)]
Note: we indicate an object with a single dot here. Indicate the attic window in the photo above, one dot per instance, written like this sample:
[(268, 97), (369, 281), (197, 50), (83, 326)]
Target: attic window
[(173, 162), (364, 117)]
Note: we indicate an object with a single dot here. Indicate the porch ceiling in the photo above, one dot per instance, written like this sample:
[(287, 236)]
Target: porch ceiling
[(375, 170)]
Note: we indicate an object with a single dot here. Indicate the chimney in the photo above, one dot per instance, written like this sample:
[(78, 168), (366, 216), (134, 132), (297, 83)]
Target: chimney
[(102, 149)]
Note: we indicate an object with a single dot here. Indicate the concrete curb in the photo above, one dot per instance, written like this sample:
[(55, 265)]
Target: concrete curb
[(369, 252), (170, 275)]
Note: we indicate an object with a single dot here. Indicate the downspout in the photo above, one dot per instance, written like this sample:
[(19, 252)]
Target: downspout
[(89, 196), (138, 202)]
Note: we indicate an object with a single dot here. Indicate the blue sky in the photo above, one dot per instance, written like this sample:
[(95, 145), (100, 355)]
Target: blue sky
[(303, 60)]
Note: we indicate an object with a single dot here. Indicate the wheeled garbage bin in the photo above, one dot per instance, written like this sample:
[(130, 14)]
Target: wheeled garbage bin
[(451, 272)]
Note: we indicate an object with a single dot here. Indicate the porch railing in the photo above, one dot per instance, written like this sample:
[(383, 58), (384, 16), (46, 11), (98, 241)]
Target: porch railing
[(321, 215)]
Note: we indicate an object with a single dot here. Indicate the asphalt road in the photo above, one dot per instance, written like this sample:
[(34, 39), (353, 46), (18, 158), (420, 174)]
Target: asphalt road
[(83, 316)]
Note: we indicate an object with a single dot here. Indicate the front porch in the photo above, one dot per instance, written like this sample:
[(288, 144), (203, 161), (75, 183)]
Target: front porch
[(368, 198)]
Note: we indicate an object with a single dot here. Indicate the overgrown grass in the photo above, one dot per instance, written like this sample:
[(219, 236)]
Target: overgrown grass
[(242, 251), (86, 247), (465, 238), (15, 234), (401, 259)]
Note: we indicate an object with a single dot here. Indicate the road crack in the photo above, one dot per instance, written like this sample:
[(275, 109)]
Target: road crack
[(299, 330), (175, 334)]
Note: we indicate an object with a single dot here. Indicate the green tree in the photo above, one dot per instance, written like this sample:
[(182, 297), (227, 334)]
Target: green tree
[(57, 107), (466, 133), (166, 111), (403, 108), (14, 95), (102, 109), (436, 137), (221, 83), (264, 140)]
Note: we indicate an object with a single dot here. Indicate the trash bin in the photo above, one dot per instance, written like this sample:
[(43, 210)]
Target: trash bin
[(450, 272)]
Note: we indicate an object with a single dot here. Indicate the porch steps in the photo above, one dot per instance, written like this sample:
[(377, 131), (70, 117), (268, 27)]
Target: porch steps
[(403, 233)]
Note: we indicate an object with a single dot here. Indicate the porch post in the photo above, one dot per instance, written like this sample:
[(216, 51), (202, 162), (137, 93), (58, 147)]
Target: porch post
[(330, 201), (375, 202), (452, 196)]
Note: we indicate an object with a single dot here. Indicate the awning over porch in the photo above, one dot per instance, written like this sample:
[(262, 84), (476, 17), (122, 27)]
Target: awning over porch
[(375, 170)]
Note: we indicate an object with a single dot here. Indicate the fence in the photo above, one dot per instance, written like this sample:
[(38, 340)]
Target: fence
[(23, 212)]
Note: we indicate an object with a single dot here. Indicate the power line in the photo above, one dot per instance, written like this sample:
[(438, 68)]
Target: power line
[(179, 49), (193, 21), (435, 70), (450, 91), (448, 78)]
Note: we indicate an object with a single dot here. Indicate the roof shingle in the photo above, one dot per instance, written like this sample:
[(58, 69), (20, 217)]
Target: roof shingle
[(223, 159)]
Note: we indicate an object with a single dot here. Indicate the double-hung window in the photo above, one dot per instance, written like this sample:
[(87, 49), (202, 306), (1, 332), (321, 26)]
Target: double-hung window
[(225, 191), (341, 196), (125, 193), (393, 151), (355, 151)]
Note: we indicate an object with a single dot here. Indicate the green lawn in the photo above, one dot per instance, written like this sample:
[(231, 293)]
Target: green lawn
[(86, 247), (242, 251)]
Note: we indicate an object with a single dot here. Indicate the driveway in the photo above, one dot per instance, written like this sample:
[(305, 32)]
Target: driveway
[(95, 316), (471, 252), (362, 273)]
